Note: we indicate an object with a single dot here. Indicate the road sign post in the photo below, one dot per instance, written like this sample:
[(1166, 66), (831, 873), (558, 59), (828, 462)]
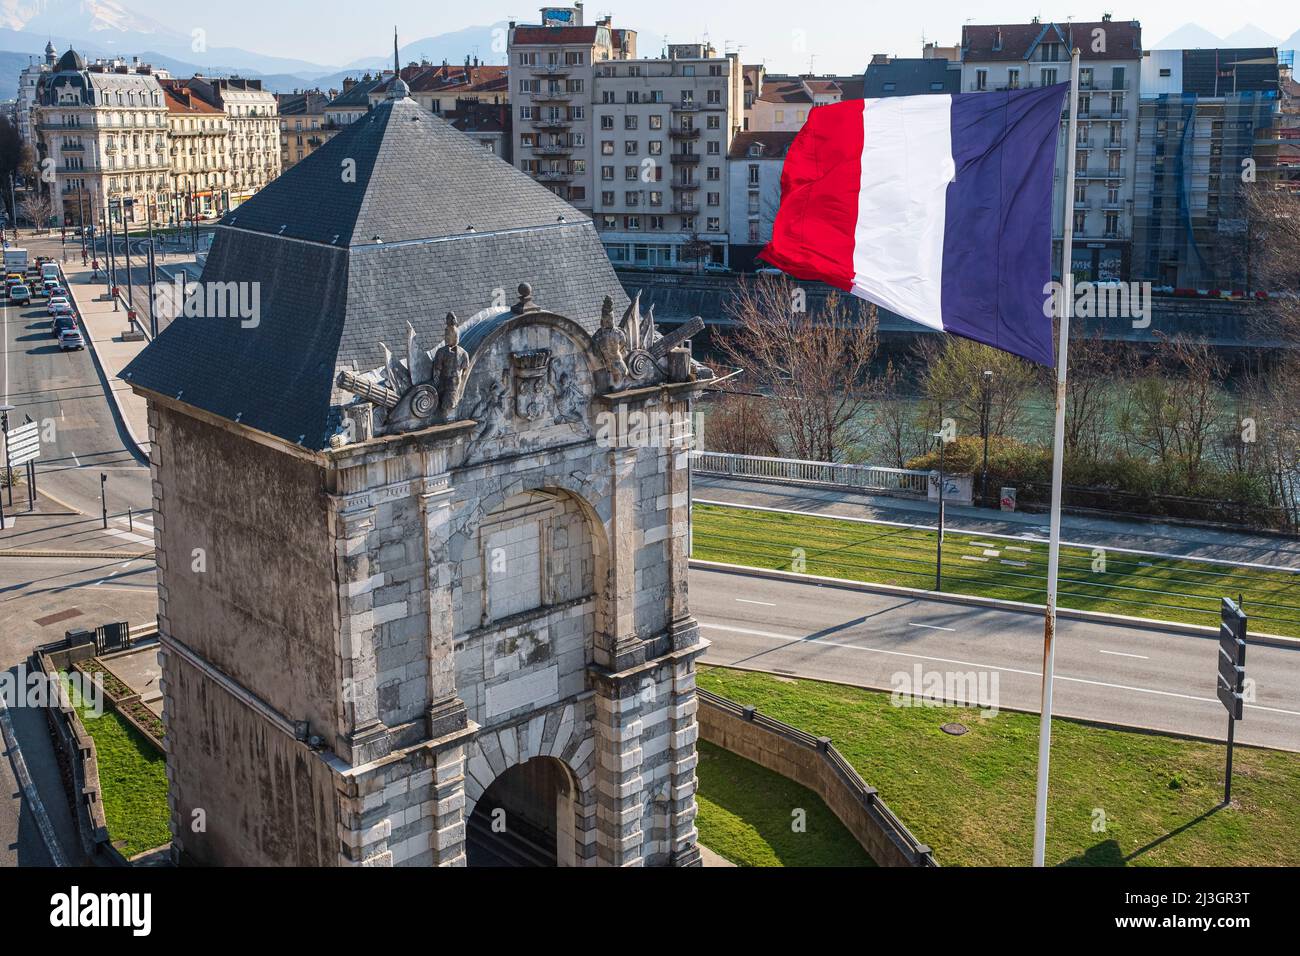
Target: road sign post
[(1231, 676)]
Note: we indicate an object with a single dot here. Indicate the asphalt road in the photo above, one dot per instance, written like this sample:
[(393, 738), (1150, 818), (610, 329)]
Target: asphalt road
[(1123, 675), (62, 391)]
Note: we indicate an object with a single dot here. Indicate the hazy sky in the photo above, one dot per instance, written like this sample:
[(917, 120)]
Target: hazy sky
[(840, 34)]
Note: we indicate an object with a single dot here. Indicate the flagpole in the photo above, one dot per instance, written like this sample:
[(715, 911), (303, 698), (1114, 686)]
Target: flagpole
[(1058, 462)]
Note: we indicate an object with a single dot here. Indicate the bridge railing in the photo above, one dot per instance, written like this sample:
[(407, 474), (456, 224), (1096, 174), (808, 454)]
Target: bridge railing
[(896, 481)]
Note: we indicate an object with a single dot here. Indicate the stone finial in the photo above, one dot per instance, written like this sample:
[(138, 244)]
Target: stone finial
[(525, 303), (607, 313)]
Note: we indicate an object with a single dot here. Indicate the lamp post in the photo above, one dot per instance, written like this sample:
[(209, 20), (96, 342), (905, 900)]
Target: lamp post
[(938, 551), (985, 401), (103, 497)]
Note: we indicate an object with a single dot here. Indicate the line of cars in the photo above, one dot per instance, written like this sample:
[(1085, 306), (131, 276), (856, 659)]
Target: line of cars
[(41, 279)]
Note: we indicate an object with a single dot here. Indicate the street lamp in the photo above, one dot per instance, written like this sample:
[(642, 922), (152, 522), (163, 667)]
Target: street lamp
[(103, 497), (942, 436), (986, 398)]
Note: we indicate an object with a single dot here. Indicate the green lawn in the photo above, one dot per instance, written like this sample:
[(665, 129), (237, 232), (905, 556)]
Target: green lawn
[(1170, 590), (133, 781), (971, 798), (751, 816)]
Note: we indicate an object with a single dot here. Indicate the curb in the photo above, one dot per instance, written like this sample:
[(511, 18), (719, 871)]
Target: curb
[(111, 555), (119, 413), (997, 604)]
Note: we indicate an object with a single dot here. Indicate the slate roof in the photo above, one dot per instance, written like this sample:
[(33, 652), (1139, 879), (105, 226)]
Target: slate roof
[(910, 77), (775, 144), (326, 303), (1018, 41)]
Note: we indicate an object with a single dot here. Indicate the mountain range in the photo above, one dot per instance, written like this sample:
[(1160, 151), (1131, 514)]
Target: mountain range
[(1192, 36)]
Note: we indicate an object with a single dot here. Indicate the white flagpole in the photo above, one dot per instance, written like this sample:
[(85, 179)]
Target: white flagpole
[(1058, 461)]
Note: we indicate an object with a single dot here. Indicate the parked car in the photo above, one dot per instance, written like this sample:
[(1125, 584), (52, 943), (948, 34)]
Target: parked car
[(70, 339), (20, 295), (55, 302)]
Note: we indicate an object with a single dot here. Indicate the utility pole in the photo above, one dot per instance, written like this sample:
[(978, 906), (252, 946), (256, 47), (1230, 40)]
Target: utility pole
[(938, 549), (153, 319), (103, 497)]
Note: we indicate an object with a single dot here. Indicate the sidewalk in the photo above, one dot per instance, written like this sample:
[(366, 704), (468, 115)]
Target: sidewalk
[(104, 328)]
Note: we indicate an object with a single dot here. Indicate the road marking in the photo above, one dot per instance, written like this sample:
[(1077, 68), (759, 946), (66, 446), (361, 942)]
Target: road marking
[(932, 627), (764, 603), (1140, 657), (994, 667)]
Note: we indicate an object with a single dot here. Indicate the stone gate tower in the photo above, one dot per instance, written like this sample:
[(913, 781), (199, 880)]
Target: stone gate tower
[(421, 526)]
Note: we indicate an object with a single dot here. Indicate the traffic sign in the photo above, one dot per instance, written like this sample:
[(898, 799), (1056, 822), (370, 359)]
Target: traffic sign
[(22, 444), (1231, 678)]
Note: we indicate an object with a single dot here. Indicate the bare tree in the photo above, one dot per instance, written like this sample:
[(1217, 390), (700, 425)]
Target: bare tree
[(954, 378), (815, 367), (1093, 363), (1273, 236), (740, 424), (904, 425), (37, 209)]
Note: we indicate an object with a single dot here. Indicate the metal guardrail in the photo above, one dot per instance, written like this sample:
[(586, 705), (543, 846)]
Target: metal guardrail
[(899, 481), (864, 793)]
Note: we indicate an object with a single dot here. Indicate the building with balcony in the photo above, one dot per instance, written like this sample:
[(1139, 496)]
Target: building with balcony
[(304, 125), (253, 122), (551, 75), (200, 163), (1021, 55), (103, 134), (25, 99), (1209, 122)]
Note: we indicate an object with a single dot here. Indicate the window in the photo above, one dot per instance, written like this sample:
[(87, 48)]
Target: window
[(607, 172), (629, 147), (714, 174), (656, 198), (525, 112), (1080, 193), (715, 122), (629, 122), (607, 96), (632, 223), (632, 198), (753, 174), (889, 87), (631, 173), (713, 97), (981, 79), (1049, 77), (657, 222), (713, 224), (656, 147), (715, 199), (753, 231), (607, 198), (1013, 79), (688, 70), (607, 122), (752, 208), (1166, 71), (1080, 222), (609, 222), (656, 122), (714, 148), (634, 96), (780, 116), (607, 147)]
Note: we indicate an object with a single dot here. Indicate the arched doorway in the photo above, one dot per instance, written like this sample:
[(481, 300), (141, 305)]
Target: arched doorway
[(526, 817)]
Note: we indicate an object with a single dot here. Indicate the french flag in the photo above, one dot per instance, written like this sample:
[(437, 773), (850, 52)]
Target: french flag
[(937, 207)]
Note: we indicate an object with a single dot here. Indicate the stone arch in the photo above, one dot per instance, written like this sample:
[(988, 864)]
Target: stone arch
[(561, 736)]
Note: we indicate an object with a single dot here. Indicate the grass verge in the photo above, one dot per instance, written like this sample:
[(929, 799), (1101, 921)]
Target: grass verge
[(133, 783), (1118, 798), (753, 816), (1091, 580)]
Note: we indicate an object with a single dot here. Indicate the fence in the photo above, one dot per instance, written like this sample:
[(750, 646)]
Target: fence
[(813, 763), (889, 481)]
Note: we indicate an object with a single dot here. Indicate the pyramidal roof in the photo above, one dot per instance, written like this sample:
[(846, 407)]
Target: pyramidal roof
[(395, 174), (399, 218)]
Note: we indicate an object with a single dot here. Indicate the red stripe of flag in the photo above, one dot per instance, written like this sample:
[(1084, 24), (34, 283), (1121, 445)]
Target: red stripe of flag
[(812, 237)]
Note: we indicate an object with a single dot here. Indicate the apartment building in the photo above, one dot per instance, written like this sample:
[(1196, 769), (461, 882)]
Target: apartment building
[(552, 72), (25, 99), (198, 151), (354, 100), (1022, 55), (776, 103), (640, 144), (254, 130), (441, 89), (754, 166), (304, 124), (103, 132), (1209, 120)]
